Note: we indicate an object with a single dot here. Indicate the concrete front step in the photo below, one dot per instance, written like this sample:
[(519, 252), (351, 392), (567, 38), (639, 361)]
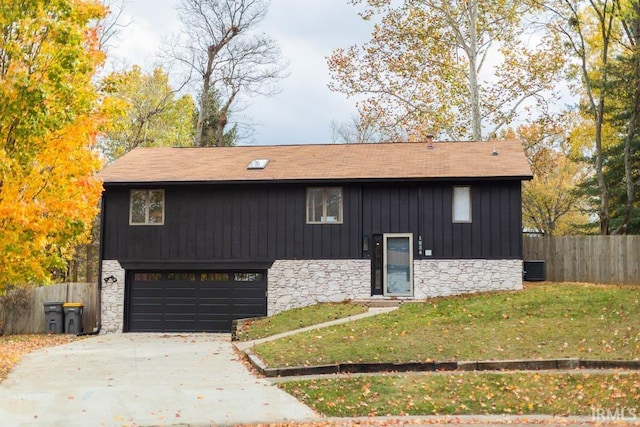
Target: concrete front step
[(378, 302)]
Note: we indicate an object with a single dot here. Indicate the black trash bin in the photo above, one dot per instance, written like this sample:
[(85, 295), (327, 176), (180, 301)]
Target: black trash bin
[(54, 317), (73, 317)]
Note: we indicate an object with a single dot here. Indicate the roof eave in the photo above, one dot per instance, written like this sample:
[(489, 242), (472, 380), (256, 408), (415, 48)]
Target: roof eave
[(316, 180)]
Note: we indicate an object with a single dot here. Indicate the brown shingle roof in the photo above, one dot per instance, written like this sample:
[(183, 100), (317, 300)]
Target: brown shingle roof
[(319, 162)]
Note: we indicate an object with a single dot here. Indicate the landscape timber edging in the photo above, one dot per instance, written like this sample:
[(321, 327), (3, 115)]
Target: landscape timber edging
[(462, 366)]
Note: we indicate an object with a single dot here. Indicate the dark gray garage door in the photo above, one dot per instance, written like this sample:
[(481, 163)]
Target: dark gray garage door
[(194, 301)]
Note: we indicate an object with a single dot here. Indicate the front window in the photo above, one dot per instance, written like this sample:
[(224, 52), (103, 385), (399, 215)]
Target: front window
[(461, 204), (146, 207), (324, 205)]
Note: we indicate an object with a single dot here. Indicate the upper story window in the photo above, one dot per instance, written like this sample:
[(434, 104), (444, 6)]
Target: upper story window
[(461, 204), (146, 207), (324, 205)]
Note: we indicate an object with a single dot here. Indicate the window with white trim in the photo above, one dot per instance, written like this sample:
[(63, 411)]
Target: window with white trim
[(461, 204), (324, 205), (146, 207)]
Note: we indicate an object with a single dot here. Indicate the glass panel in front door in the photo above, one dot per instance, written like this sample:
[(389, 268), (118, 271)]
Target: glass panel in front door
[(398, 268), (377, 262)]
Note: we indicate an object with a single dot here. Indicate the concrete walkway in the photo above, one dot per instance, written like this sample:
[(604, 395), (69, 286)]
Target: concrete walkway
[(373, 311), (142, 379)]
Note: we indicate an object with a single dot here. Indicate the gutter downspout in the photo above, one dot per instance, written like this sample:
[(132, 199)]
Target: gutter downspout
[(100, 258)]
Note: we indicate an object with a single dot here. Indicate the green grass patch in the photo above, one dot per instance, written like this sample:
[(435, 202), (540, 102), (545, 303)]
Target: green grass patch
[(540, 322), (297, 318), (470, 393)]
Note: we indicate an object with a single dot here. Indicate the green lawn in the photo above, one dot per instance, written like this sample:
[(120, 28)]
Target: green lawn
[(472, 393), (297, 318), (540, 322)]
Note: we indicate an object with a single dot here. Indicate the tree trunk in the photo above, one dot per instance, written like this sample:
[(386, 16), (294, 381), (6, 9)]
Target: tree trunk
[(602, 184), (632, 122), (606, 25), (219, 129), (474, 92), (205, 104)]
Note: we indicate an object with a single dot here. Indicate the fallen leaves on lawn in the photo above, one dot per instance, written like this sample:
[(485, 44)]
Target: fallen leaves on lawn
[(520, 394), (390, 422), (13, 347)]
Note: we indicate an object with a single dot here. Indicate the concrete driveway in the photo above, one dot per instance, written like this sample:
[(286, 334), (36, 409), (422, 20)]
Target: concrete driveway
[(142, 379)]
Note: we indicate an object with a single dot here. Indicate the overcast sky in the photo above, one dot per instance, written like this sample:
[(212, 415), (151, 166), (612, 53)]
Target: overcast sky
[(307, 32)]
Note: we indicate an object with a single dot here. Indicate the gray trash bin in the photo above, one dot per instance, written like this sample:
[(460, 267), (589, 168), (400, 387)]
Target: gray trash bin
[(54, 317), (73, 317)]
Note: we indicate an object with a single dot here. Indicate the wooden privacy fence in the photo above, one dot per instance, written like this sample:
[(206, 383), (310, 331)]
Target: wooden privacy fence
[(31, 320), (593, 259)]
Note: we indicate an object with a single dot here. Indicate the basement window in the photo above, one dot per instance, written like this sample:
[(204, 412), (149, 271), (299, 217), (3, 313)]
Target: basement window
[(324, 205), (146, 207)]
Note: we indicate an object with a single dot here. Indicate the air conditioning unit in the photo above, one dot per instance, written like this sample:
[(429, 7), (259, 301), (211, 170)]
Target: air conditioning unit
[(534, 271)]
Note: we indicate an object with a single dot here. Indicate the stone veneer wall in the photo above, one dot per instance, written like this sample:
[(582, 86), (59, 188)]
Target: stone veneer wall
[(298, 283), (112, 297), (435, 278)]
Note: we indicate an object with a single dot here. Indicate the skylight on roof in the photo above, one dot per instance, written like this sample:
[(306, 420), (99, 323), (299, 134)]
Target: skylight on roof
[(258, 164)]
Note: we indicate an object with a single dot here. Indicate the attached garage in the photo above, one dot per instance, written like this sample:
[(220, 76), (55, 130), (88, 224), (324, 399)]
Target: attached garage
[(193, 301)]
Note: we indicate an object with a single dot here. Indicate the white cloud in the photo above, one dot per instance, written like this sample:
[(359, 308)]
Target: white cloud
[(307, 32)]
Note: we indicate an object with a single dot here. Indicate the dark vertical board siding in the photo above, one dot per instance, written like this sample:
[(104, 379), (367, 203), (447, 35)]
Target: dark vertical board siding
[(194, 233), (362, 230), (514, 244), (447, 223), (495, 222), (178, 223), (506, 222), (516, 217), (226, 216), (394, 219), (281, 226), (383, 206), (485, 222), (298, 220), (235, 220), (263, 221), (204, 234), (366, 226), (217, 224), (350, 230), (403, 207), (272, 215), (308, 243), (456, 239), (288, 236), (413, 214), (374, 212), (251, 237), (427, 218), (335, 238), (440, 224), (245, 222), (476, 217), (467, 241), (325, 237)]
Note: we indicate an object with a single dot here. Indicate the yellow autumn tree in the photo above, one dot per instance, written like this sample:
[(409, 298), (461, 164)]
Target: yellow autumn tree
[(48, 124), (144, 112), (550, 203)]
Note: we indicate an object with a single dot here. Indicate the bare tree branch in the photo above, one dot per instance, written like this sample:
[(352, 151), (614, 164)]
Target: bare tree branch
[(219, 46)]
